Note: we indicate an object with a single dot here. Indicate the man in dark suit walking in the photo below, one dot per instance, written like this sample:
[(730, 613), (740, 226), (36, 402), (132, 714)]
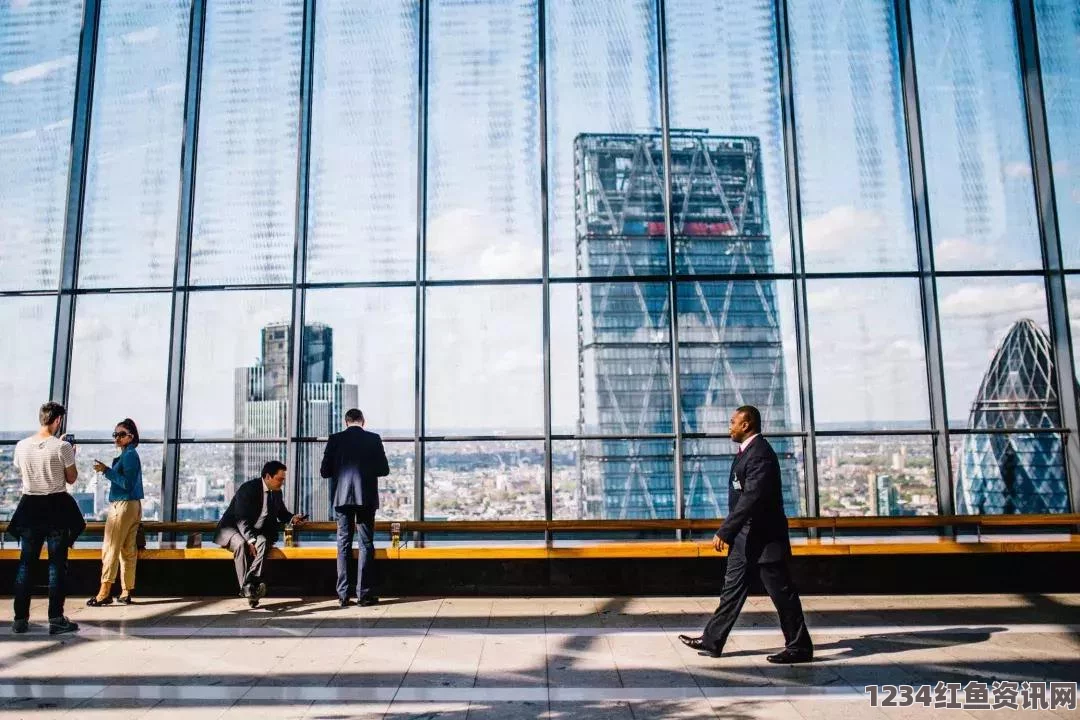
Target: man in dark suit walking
[(354, 461), (756, 532), (250, 525)]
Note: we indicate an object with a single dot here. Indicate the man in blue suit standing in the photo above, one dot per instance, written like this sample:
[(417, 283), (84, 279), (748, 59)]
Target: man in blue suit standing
[(354, 461)]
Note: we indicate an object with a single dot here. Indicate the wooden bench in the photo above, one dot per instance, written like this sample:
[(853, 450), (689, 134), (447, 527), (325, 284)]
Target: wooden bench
[(191, 547)]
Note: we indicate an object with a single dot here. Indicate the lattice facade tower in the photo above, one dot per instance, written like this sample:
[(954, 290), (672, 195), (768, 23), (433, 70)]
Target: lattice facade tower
[(730, 347), (1016, 472)]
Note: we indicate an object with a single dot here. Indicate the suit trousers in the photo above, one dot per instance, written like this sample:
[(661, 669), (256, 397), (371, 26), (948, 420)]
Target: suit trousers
[(349, 518), (776, 577), (248, 569), (118, 548)]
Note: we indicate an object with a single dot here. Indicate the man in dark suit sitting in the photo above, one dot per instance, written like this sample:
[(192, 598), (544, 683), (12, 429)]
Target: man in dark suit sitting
[(250, 524), (757, 533), (354, 461)]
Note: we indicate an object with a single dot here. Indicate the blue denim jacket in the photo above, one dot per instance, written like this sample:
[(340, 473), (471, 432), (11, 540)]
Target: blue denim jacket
[(125, 476)]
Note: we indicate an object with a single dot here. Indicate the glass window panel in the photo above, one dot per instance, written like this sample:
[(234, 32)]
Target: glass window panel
[(236, 374), (602, 79), (362, 216), (1072, 292), (707, 467), (133, 178), (1003, 474), (725, 80), (978, 161), (91, 490), (360, 351), (853, 169), (1059, 59), (737, 347), (484, 361), (613, 479), (39, 45), (395, 490), (24, 383), (245, 190), (999, 360), (210, 473), (119, 363), (867, 352), (611, 359), (490, 480), (881, 475), (484, 142)]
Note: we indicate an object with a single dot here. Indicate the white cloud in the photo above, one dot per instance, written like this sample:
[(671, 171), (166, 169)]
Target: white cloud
[(957, 250), (983, 300), (468, 242), (141, 37), (829, 299), (1018, 170), (37, 72), (841, 228)]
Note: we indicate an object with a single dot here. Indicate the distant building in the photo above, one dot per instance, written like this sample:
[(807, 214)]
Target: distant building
[(1018, 472), (262, 409), (730, 346)]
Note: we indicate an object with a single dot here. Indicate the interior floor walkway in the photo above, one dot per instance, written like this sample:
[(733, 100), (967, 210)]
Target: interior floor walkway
[(523, 658)]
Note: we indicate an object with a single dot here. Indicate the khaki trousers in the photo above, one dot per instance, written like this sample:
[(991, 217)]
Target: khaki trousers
[(119, 548)]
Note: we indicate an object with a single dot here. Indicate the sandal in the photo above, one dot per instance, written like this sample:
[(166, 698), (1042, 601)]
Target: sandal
[(94, 602)]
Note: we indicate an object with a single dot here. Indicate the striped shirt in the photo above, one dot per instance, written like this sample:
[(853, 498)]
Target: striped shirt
[(42, 463)]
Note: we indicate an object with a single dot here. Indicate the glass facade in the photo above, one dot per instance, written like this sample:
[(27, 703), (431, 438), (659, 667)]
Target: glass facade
[(548, 246)]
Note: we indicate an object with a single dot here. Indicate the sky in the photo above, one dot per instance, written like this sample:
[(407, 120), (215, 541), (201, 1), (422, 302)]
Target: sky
[(483, 202)]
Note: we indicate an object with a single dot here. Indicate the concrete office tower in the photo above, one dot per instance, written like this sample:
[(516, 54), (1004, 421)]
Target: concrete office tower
[(1019, 472), (262, 410), (730, 348)]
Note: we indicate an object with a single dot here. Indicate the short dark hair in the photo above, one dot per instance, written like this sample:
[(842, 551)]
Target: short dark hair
[(354, 416), (129, 425), (752, 415), (50, 412), (272, 468)]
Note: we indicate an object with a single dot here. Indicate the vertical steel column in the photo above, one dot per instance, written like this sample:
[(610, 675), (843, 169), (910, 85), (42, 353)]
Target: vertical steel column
[(669, 236), (545, 261), (182, 267), (1050, 235), (935, 372), (299, 294), (798, 260), (421, 264), (76, 191)]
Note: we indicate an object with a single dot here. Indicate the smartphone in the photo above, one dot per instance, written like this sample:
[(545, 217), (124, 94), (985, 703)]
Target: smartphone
[(68, 438)]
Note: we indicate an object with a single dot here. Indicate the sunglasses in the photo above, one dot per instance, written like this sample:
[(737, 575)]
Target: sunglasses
[(118, 435)]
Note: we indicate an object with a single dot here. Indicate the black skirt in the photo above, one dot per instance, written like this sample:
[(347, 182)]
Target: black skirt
[(47, 513)]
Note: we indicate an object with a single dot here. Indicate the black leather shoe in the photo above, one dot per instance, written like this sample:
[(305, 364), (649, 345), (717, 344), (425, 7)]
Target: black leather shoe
[(696, 643), (367, 601), (791, 657), (343, 602)]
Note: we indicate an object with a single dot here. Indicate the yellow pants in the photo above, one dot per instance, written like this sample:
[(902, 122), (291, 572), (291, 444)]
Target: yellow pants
[(119, 547)]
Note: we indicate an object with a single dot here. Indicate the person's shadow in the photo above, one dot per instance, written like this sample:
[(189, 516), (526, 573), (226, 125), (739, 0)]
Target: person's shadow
[(885, 643)]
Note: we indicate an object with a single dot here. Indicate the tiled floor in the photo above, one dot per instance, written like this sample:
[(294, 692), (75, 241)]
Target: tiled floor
[(523, 658)]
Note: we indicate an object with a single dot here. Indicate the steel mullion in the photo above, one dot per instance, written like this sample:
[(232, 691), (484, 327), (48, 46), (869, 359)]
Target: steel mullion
[(419, 337), (545, 260), (1050, 237), (935, 370)]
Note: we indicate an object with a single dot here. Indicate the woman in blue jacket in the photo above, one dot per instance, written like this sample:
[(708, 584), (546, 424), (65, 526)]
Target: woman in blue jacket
[(125, 513)]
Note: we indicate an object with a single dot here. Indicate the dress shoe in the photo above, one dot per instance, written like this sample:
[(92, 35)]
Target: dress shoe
[(791, 657), (343, 602), (696, 643), (124, 600), (367, 601)]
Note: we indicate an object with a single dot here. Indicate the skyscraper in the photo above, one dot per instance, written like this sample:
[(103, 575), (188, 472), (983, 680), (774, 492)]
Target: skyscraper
[(730, 347), (1019, 472), (262, 410)]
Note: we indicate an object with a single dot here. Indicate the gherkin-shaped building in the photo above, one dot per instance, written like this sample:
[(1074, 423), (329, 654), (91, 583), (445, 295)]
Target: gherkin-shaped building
[(1019, 472)]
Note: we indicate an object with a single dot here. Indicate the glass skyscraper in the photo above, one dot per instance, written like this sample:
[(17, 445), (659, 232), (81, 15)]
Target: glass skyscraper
[(730, 348), (1019, 472)]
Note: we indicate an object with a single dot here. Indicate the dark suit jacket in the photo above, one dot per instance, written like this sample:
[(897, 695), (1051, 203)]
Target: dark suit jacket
[(243, 512), (354, 461), (756, 525)]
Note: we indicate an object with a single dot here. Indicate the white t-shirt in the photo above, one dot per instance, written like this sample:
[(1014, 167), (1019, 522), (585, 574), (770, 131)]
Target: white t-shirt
[(42, 463)]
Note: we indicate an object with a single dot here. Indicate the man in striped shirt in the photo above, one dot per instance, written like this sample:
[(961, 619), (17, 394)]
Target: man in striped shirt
[(46, 514)]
